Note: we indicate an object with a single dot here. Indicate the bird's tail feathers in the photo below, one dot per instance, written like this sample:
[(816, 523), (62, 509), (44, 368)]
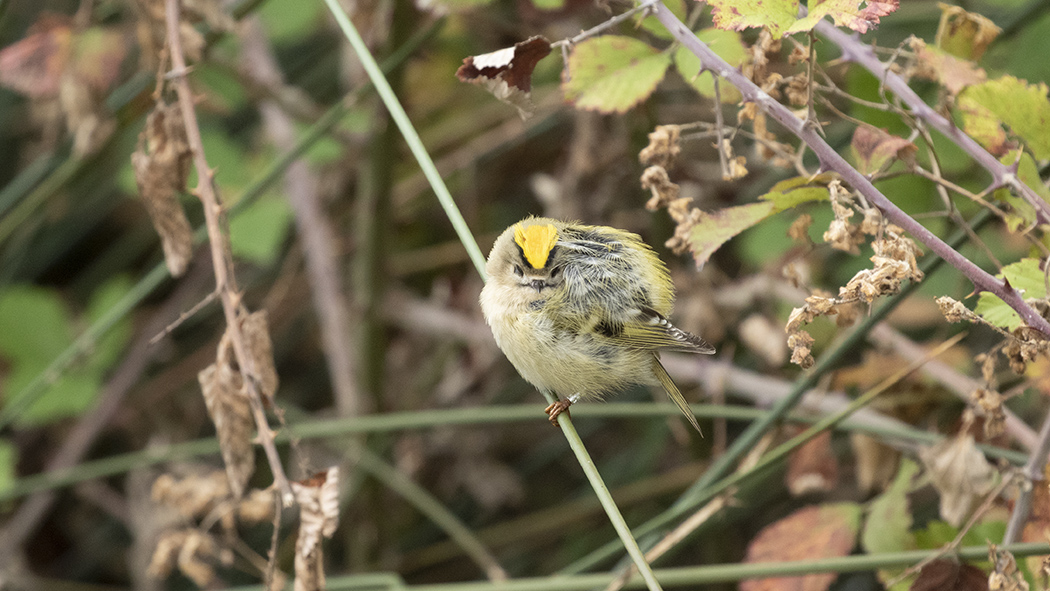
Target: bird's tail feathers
[(674, 393)]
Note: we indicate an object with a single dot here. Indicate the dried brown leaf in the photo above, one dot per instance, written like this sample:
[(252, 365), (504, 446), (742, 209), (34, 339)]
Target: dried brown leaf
[(813, 467), (953, 73), (34, 64), (193, 551), (507, 73), (318, 499), (810, 533), (194, 496), (162, 164), (950, 574), (256, 330), (85, 113), (1005, 576), (663, 148), (873, 149), (763, 338), (876, 462), (230, 410), (960, 473), (990, 406)]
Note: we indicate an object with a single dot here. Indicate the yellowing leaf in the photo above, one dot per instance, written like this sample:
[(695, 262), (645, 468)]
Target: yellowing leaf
[(728, 46), (960, 473), (846, 13), (1023, 275), (715, 228), (737, 15), (1023, 107), (982, 124), (611, 74), (1023, 212), (964, 34), (873, 148), (953, 73)]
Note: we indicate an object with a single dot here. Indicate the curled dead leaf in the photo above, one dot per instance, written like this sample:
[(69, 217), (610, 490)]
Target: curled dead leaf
[(318, 499), (507, 73), (663, 148), (960, 473), (162, 164), (256, 330), (194, 552), (874, 149), (230, 410)]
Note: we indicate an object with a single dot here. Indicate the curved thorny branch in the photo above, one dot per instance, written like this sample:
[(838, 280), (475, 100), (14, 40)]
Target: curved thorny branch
[(832, 161)]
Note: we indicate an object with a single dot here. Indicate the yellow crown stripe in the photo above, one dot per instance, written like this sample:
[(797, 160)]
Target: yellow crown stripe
[(536, 242)]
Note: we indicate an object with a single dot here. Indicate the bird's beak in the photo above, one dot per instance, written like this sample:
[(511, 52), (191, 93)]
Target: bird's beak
[(538, 284)]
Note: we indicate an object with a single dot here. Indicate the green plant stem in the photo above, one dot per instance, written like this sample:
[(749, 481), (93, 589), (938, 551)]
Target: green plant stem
[(436, 512), (696, 494), (403, 421), (605, 498), (465, 236), (408, 131), (686, 576)]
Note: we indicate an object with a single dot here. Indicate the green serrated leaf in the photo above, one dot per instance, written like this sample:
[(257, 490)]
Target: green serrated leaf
[(1024, 275), (845, 13), (798, 190), (1021, 106), (728, 46), (260, 229), (715, 228), (611, 74), (736, 15), (888, 526), (981, 123)]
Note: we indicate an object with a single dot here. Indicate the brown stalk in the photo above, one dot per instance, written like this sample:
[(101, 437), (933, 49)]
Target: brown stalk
[(225, 281)]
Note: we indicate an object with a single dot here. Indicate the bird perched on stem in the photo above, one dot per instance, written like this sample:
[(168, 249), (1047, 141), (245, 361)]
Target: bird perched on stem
[(581, 311)]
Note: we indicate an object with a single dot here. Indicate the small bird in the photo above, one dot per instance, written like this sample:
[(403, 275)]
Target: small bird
[(581, 311)]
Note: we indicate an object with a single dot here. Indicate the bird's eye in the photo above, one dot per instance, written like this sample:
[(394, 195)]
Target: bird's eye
[(555, 272), (519, 271)]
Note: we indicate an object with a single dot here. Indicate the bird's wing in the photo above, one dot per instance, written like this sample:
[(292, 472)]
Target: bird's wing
[(649, 330)]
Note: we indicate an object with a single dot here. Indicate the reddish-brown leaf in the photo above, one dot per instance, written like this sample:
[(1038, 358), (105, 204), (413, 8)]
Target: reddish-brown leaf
[(33, 65), (874, 148), (810, 533), (949, 574)]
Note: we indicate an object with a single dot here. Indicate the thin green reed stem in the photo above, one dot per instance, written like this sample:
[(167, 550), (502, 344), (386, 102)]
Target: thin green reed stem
[(408, 131), (397, 113)]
